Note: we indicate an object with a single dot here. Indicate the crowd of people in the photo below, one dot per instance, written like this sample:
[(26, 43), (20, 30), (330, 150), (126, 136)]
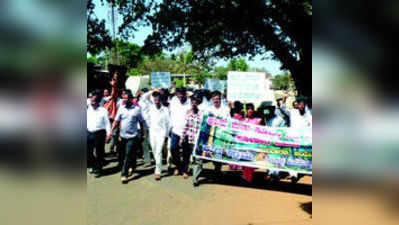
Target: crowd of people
[(148, 122)]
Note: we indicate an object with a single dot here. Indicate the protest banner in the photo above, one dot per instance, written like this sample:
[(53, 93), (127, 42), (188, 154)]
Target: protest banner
[(160, 80), (236, 142), (215, 85), (245, 86), (268, 94), (135, 83)]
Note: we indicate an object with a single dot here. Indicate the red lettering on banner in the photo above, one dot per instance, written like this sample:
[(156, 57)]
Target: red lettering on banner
[(264, 131), (240, 126), (286, 144), (217, 122), (252, 140)]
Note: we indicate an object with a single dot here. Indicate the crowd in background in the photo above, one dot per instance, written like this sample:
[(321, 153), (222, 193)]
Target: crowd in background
[(162, 123)]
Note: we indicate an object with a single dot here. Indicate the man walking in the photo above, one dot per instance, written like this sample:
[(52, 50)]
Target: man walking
[(159, 129), (218, 110), (97, 126), (145, 103), (128, 116), (179, 107), (192, 125)]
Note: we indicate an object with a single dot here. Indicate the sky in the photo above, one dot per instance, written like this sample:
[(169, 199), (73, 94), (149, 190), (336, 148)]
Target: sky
[(103, 12)]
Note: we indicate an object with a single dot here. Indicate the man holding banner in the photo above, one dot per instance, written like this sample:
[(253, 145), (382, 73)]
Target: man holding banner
[(224, 140), (218, 110)]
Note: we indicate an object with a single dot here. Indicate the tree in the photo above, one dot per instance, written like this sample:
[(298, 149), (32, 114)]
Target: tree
[(183, 63), (98, 38), (228, 29), (221, 72), (179, 82), (200, 76), (238, 65), (264, 70), (283, 81), (129, 53), (93, 59), (156, 64)]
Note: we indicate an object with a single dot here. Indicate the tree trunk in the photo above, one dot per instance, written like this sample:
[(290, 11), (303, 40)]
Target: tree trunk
[(303, 79)]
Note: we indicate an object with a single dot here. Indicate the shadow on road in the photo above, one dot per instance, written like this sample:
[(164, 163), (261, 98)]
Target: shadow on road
[(112, 159), (110, 171), (233, 178), (307, 207), (139, 173)]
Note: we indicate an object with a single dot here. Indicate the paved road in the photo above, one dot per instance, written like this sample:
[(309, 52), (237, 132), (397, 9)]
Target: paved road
[(174, 200)]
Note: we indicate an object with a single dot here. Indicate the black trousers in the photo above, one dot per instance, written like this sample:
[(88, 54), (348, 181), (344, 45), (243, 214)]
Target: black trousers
[(95, 140), (187, 150), (128, 154)]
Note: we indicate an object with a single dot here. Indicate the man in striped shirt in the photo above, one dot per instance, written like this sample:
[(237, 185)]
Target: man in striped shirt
[(192, 125)]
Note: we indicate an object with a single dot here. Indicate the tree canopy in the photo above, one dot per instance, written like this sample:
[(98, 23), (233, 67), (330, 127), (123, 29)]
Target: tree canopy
[(129, 54), (238, 28), (282, 81), (98, 37), (227, 29)]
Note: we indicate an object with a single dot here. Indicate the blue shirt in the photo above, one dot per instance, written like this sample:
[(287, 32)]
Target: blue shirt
[(129, 119)]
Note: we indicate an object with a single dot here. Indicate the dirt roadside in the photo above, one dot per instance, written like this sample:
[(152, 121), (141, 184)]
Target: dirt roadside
[(174, 200)]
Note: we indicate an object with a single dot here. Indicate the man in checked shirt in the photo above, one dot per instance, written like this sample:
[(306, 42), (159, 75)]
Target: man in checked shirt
[(192, 125)]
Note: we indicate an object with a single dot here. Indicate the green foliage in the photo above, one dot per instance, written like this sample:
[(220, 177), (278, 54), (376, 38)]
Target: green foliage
[(134, 72), (223, 29), (229, 29), (221, 72), (179, 83), (283, 81), (264, 70), (93, 60), (183, 63), (201, 76), (98, 38), (238, 65), (129, 54), (155, 64)]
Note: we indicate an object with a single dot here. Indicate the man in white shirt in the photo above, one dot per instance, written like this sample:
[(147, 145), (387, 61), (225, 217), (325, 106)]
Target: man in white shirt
[(218, 109), (88, 101), (128, 116), (159, 129), (98, 126), (205, 103), (300, 118), (106, 95), (145, 102), (179, 106)]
